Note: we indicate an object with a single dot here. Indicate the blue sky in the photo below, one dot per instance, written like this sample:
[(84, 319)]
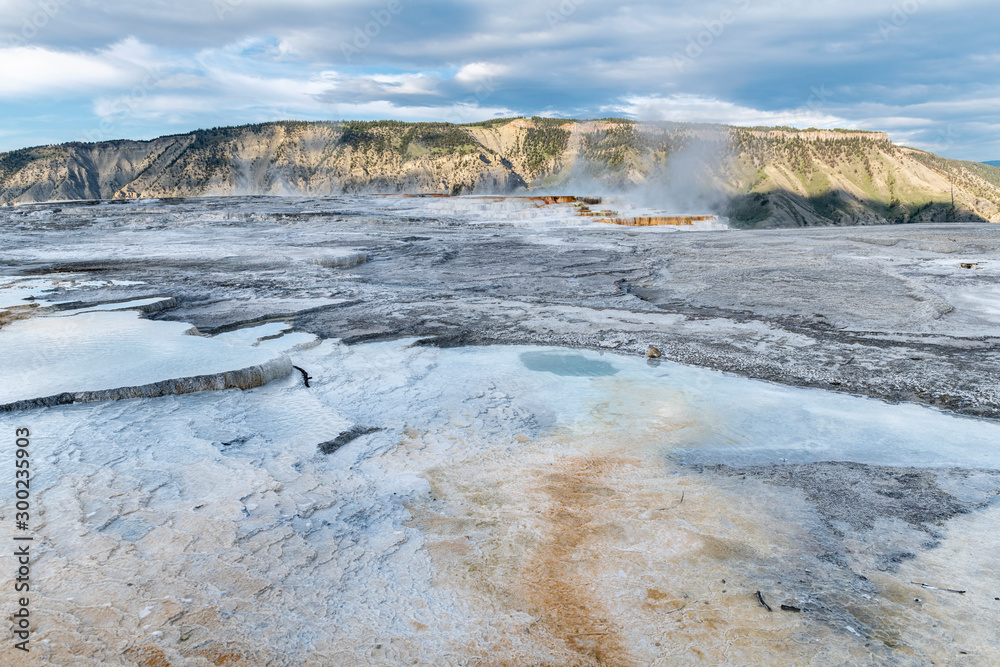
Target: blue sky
[(926, 71)]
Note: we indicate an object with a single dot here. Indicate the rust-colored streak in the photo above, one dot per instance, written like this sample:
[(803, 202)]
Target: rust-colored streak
[(659, 220), (227, 657), (14, 314), (556, 576), (538, 199), (147, 656)]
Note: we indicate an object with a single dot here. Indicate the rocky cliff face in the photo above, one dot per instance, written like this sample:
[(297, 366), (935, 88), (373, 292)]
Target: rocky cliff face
[(756, 176)]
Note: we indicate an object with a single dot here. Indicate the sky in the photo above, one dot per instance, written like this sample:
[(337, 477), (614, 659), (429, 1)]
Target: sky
[(925, 71)]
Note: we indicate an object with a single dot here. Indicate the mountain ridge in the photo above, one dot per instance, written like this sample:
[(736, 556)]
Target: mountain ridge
[(756, 176)]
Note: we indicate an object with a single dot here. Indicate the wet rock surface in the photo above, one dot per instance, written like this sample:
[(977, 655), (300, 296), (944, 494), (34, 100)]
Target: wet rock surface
[(351, 434), (463, 509), (875, 520), (887, 312), (855, 495)]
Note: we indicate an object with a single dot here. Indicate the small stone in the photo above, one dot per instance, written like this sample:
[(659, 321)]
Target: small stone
[(653, 353)]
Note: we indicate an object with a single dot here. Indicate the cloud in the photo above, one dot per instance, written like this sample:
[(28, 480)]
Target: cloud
[(708, 110), (910, 67), (31, 71), (474, 74)]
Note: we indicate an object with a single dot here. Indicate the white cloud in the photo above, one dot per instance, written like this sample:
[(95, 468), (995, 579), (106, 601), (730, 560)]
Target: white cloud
[(761, 63), (224, 86), (694, 108), (34, 71), (451, 113), (405, 84), (217, 90), (475, 73)]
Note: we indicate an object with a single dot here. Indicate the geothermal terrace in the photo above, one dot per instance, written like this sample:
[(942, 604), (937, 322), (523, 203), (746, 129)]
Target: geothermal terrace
[(416, 430)]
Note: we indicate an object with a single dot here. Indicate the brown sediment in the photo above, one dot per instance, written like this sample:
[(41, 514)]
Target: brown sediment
[(542, 199), (228, 656), (581, 551), (558, 200), (554, 577), (149, 655), (15, 313), (659, 220)]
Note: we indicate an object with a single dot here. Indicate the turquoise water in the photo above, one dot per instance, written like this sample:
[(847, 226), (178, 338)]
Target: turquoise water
[(567, 365)]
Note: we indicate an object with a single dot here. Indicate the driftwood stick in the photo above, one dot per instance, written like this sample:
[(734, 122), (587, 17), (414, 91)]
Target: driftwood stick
[(305, 376), (935, 588), (664, 509)]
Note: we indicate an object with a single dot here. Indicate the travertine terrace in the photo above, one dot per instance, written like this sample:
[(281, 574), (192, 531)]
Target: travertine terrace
[(474, 462)]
